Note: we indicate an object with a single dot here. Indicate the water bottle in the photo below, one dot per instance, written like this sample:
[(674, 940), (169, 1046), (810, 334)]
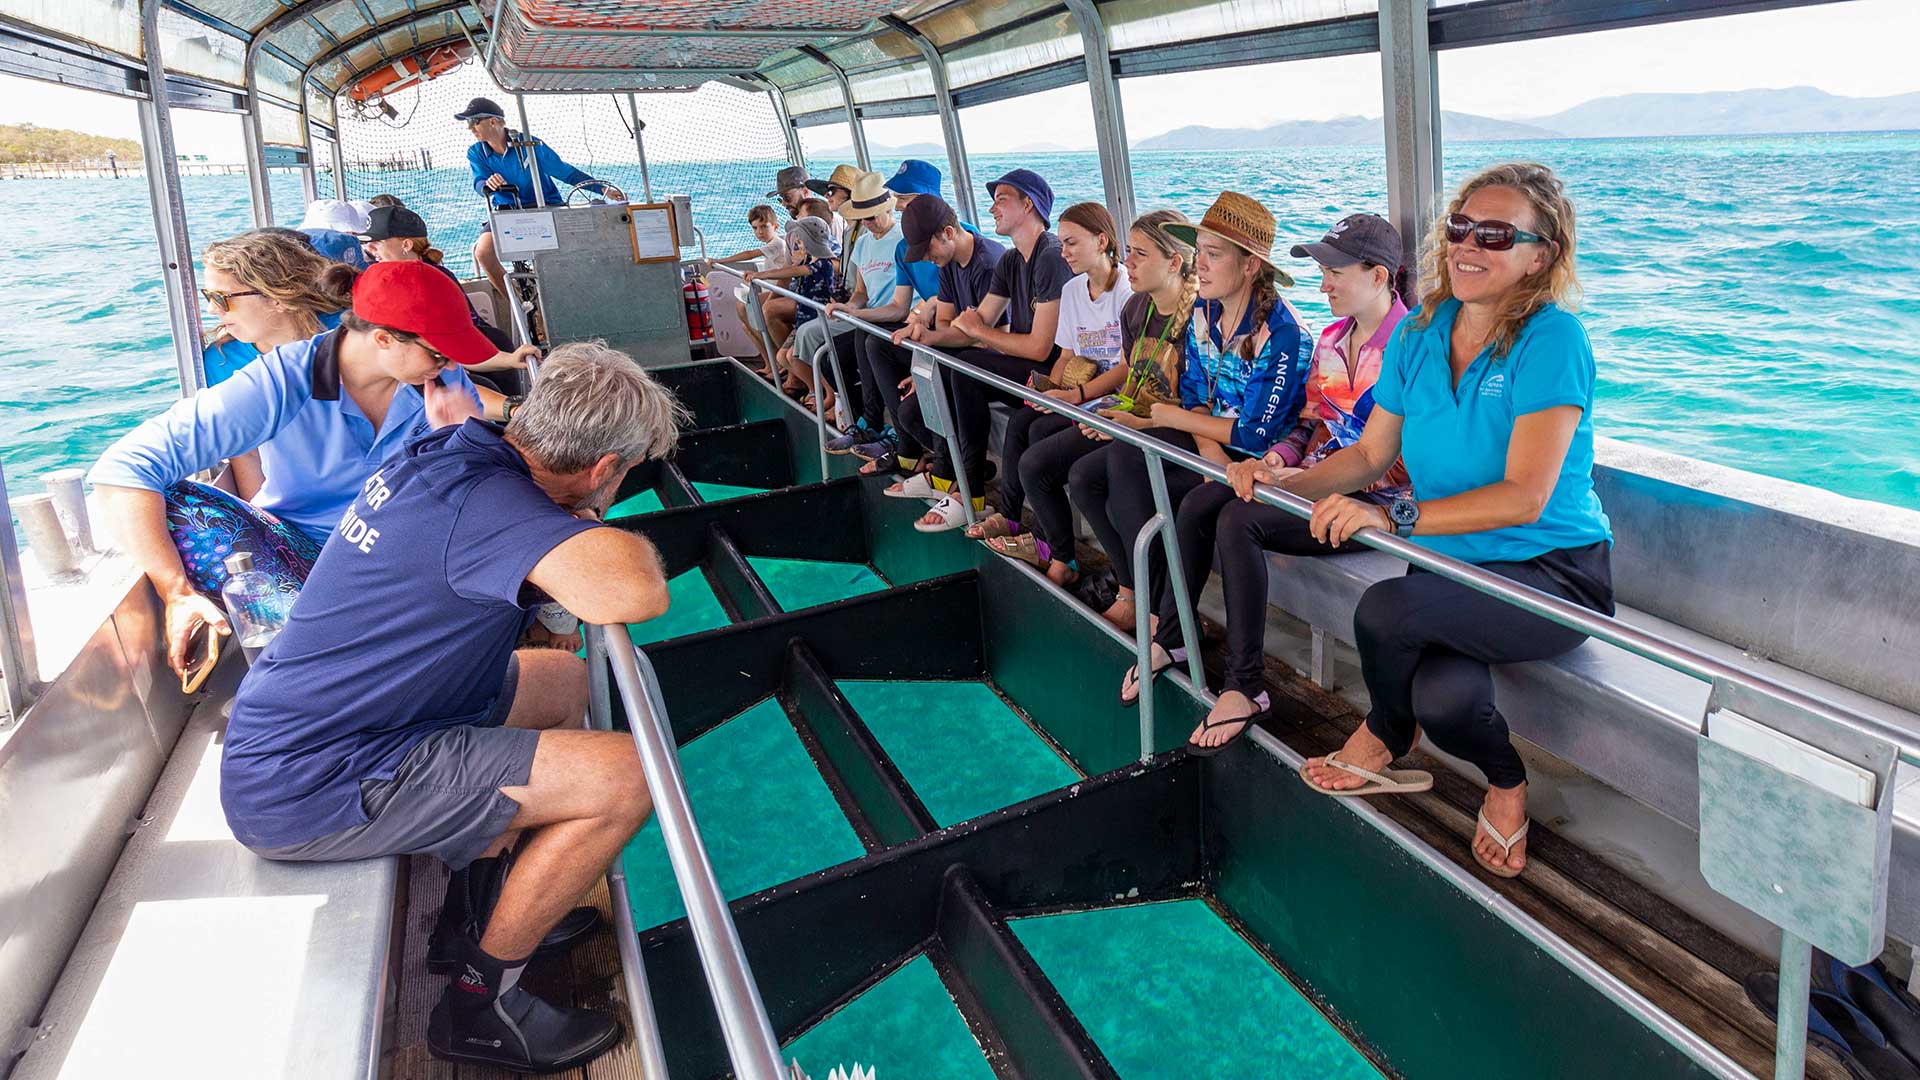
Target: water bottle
[(255, 603)]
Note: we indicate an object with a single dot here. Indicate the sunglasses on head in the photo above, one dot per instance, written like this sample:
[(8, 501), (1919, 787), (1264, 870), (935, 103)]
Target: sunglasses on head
[(1491, 235), (223, 301)]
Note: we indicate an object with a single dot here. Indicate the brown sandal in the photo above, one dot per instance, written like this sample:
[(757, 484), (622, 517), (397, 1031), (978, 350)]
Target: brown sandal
[(1025, 547), (993, 526)]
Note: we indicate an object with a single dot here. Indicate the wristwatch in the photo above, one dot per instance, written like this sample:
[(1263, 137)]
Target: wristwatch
[(507, 406), (1405, 513)]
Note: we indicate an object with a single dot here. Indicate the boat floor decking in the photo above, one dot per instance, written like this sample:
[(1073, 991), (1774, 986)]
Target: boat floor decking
[(589, 976)]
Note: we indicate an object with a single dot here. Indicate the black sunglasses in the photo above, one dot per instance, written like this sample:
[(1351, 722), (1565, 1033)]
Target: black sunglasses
[(223, 301), (1492, 235)]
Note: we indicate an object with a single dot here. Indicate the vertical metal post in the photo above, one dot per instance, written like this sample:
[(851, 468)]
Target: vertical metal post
[(19, 661), (820, 396), (531, 153), (260, 193), (1411, 101), (957, 167), (945, 413), (493, 33), (846, 96), (640, 145), (309, 183), (1142, 634), (1109, 125), (1790, 1032), (1176, 575), (339, 154), (795, 154), (169, 213)]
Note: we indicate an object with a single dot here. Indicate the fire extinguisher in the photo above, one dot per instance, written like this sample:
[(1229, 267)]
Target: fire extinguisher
[(699, 309)]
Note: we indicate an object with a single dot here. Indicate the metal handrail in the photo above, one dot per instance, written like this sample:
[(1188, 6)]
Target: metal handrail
[(751, 1044), (1643, 643)]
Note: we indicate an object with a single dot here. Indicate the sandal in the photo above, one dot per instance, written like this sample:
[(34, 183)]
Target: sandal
[(917, 486), (1132, 679), (1506, 846), (1263, 707), (1025, 547), (995, 525), (943, 516), (1384, 782)]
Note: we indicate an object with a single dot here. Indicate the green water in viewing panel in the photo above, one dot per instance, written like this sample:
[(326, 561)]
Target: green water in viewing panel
[(964, 751), (799, 583), (906, 1026), (764, 812), (649, 500), (1169, 991), (691, 608)]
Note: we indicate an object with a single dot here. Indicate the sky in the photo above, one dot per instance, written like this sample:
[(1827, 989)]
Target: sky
[(1860, 48)]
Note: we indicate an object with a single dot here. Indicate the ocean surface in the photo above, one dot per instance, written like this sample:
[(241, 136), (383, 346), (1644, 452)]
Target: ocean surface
[(1753, 302)]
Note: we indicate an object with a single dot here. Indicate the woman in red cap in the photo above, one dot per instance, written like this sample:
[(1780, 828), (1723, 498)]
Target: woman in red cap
[(323, 413)]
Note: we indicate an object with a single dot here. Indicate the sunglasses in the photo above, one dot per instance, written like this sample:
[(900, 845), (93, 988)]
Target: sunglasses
[(1491, 235), (223, 301)]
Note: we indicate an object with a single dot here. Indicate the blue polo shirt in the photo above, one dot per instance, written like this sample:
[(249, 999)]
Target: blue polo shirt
[(482, 162), (924, 276), (229, 356), (404, 628), (316, 446), (1454, 438)]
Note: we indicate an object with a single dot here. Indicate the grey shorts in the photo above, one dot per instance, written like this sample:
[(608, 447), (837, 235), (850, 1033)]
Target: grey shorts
[(444, 798)]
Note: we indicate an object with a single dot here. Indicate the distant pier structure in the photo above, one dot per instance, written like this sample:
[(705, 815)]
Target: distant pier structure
[(109, 168)]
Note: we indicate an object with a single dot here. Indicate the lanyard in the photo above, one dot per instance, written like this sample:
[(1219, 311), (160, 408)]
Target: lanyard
[(1133, 366)]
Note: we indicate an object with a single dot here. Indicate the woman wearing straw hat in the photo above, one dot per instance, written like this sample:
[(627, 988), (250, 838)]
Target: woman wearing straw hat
[(869, 272), (1242, 384)]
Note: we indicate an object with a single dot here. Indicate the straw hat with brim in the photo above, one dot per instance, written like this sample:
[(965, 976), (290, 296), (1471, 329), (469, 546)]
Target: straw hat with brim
[(1239, 221), (842, 176), (870, 198)]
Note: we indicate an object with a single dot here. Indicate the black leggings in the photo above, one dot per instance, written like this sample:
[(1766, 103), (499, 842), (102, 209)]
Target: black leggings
[(1026, 427), (972, 423), (1118, 502), (852, 347), (882, 366), (1214, 522), (1045, 469), (1426, 643)]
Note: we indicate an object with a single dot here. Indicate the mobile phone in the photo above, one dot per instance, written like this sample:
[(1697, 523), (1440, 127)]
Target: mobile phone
[(203, 652)]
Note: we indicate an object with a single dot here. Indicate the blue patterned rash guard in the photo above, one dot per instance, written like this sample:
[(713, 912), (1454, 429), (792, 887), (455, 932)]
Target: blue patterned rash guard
[(1263, 393)]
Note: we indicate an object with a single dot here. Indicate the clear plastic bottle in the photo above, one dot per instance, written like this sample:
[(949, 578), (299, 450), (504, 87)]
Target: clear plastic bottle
[(257, 606)]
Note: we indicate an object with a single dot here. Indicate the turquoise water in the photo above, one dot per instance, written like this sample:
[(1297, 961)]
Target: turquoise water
[(905, 1026), (1753, 301)]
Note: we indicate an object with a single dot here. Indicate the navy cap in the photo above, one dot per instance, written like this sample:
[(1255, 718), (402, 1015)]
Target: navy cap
[(478, 108), (1353, 239), (922, 218), (1028, 183), (915, 177), (388, 222)]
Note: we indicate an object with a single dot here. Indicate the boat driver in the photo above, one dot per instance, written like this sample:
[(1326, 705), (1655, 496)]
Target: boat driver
[(393, 715)]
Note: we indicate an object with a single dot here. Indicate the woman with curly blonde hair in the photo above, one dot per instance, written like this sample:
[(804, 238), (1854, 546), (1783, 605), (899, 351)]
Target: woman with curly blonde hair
[(269, 288), (1486, 393)]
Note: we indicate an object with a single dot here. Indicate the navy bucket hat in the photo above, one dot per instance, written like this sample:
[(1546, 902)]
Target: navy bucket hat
[(1028, 183)]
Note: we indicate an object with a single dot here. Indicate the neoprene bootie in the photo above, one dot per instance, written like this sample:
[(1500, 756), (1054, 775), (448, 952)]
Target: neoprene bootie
[(486, 1018), (471, 893)]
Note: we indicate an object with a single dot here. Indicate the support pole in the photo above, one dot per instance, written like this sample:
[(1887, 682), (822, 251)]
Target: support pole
[(795, 155), (339, 155), (846, 96), (1790, 1031), (532, 154), (1410, 98), (1109, 124), (640, 145), (169, 212), (957, 168), (19, 663)]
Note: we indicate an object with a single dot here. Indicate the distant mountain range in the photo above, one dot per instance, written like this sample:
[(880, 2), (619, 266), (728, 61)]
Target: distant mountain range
[(1735, 112)]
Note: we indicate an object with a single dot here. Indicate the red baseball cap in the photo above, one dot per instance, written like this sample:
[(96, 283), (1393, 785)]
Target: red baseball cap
[(422, 300)]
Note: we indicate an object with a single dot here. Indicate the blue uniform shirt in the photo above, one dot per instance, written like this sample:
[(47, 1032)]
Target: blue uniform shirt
[(483, 162), (229, 356), (924, 276), (404, 628), (1454, 438), (316, 446)]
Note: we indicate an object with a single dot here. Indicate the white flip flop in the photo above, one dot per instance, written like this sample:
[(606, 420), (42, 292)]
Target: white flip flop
[(1506, 846), (951, 516), (1384, 782)]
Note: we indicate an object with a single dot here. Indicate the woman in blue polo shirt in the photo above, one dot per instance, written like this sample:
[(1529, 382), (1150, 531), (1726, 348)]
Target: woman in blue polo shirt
[(323, 413), (1487, 394)]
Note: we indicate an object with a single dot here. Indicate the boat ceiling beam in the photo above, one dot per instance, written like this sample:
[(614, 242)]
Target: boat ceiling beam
[(958, 169), (420, 15), (854, 125), (1490, 22)]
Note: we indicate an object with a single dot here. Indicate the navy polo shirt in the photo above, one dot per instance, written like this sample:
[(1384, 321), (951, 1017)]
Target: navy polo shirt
[(1454, 436), (404, 628)]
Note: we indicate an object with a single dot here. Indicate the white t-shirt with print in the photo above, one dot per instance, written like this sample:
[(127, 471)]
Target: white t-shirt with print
[(1089, 327), (873, 258), (773, 254)]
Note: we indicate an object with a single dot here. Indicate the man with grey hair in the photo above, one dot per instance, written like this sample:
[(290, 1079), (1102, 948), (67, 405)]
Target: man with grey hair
[(393, 716)]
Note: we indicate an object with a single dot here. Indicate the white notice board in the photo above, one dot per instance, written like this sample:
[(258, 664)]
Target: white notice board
[(654, 238), (519, 233)]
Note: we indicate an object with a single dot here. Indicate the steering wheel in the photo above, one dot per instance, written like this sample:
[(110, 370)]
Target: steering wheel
[(594, 189)]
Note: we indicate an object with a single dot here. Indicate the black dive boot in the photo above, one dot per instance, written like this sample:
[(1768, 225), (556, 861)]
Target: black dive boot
[(470, 898), (486, 1018)]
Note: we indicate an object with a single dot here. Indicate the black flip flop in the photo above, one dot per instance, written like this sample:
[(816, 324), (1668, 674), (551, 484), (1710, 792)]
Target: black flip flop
[(1134, 672), (1247, 723), (1840, 1029)]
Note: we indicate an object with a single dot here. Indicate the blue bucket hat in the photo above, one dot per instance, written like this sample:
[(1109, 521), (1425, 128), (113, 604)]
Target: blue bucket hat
[(1028, 183), (915, 177)]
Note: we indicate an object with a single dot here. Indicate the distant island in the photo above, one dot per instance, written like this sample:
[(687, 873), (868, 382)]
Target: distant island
[(1799, 109), (26, 143)]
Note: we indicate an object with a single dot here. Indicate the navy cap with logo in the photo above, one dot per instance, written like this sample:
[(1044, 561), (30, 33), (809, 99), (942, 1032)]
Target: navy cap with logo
[(921, 220), (480, 107), (1356, 238)]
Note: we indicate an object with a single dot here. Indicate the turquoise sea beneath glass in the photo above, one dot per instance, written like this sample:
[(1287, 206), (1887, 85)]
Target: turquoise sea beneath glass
[(1753, 302)]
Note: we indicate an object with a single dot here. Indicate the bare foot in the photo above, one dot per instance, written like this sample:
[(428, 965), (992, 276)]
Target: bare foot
[(1130, 684), (1061, 574), (1363, 749), (1121, 613), (1219, 727), (1506, 808)]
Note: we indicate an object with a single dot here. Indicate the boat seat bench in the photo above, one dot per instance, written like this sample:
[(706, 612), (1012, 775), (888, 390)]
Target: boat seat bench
[(1624, 720), (204, 960)]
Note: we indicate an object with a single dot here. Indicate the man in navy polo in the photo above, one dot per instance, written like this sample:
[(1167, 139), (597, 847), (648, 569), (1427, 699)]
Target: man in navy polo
[(393, 716)]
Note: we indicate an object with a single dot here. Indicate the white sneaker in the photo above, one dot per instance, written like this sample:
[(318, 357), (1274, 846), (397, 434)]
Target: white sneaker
[(951, 516), (917, 486)]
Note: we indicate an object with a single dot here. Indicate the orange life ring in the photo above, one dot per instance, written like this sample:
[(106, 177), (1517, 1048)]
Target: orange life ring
[(397, 74)]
